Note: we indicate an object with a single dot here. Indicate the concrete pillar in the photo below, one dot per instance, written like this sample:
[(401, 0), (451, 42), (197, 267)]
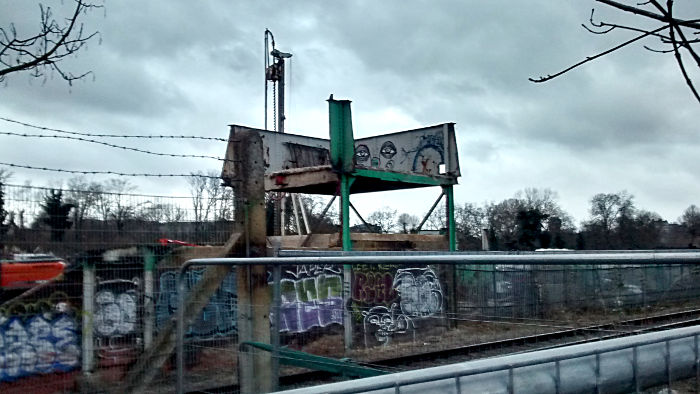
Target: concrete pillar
[(88, 351), (254, 301), (149, 307)]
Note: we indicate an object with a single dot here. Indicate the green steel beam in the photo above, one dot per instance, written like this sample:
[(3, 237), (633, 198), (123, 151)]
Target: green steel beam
[(403, 177), (305, 360)]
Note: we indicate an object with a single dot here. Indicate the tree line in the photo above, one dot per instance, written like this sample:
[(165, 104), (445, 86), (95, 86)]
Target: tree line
[(110, 212), (533, 219)]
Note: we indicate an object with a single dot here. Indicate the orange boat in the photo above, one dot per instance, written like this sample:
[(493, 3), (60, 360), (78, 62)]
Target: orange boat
[(28, 271)]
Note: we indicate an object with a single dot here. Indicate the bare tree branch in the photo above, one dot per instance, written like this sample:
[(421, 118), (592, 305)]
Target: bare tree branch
[(611, 26), (48, 47), (676, 38), (638, 11), (679, 59), (650, 49), (591, 58)]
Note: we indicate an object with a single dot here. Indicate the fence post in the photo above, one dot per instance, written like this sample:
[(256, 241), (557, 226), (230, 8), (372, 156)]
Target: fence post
[(88, 359), (149, 266), (254, 301)]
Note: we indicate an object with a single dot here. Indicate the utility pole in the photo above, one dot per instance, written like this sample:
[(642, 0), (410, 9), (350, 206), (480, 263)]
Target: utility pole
[(275, 73)]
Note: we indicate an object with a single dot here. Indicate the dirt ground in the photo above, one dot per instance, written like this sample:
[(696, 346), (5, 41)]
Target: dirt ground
[(215, 364)]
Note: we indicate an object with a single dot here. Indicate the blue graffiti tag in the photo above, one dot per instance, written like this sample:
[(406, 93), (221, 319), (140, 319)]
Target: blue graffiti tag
[(218, 317), (38, 345)]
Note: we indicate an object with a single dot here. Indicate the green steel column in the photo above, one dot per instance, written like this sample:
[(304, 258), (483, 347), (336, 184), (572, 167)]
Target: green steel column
[(451, 217), (345, 211), (342, 140), (342, 154), (347, 268)]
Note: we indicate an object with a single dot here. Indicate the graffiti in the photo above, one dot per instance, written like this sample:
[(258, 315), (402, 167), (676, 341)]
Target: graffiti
[(311, 297), (388, 150), (429, 154), (217, 318), (116, 332), (420, 291), (38, 345), (387, 321), (373, 288), (419, 296), (115, 314), (308, 270), (361, 155)]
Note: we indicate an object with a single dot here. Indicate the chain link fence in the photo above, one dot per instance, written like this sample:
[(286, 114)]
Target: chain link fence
[(89, 282), (55, 244), (508, 291)]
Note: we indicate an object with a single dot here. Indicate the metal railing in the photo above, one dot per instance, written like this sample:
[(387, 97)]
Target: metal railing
[(612, 366), (643, 258)]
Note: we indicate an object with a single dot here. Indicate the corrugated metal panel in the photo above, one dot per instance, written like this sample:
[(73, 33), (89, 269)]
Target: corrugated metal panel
[(620, 365)]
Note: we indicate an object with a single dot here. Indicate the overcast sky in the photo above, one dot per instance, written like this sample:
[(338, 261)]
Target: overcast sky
[(623, 122)]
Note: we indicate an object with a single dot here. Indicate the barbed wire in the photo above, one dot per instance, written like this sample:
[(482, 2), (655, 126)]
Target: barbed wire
[(146, 136), (28, 135), (45, 188), (14, 165)]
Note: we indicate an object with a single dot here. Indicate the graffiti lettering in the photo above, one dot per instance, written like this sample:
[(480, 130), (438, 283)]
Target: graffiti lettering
[(38, 345), (373, 288), (307, 270), (115, 314), (311, 297), (217, 318)]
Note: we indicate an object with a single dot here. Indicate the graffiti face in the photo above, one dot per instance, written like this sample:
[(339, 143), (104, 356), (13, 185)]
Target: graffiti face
[(419, 295), (388, 150), (420, 291), (388, 322), (361, 154)]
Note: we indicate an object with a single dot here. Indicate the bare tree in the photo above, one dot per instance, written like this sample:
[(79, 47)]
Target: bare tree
[(691, 221), (4, 176), (611, 214), (45, 50), (384, 218), (437, 219), (161, 213), (115, 204), (676, 35), (210, 200), (84, 195), (544, 201), (407, 222), (469, 220)]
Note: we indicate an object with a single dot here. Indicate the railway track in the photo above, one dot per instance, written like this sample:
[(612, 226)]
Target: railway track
[(564, 337)]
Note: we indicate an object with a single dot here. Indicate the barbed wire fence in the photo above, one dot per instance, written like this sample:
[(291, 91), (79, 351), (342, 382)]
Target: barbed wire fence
[(133, 244)]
